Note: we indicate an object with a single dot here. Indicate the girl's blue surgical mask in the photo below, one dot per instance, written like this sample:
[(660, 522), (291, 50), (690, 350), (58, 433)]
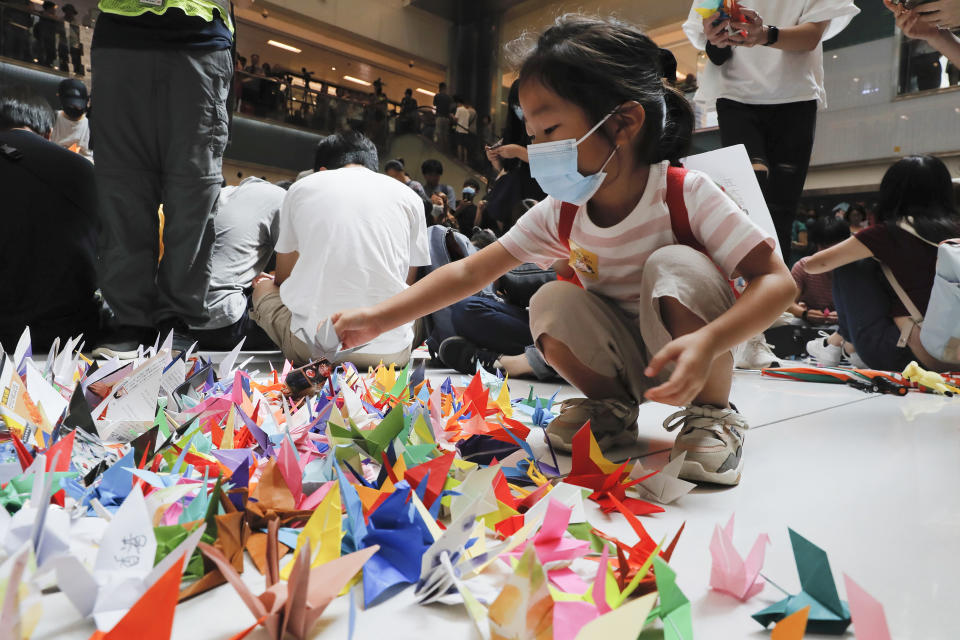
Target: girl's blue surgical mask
[(554, 166)]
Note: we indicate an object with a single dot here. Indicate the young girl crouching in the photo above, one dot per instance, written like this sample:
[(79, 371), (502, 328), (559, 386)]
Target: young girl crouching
[(654, 319)]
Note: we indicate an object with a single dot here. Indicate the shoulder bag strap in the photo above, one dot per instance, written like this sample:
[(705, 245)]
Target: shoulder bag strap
[(915, 315)]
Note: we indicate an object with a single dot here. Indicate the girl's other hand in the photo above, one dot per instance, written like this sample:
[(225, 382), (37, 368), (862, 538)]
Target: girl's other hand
[(355, 327), (694, 356), (716, 34)]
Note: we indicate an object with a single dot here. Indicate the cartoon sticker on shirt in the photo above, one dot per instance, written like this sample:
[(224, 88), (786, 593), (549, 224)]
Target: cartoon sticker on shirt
[(585, 263)]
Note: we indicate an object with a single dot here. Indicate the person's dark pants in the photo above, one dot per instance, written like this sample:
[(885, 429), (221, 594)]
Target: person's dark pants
[(63, 53), (226, 338), (493, 325), (48, 48), (780, 138), (499, 327), (926, 67), (160, 131), (863, 301), (76, 57)]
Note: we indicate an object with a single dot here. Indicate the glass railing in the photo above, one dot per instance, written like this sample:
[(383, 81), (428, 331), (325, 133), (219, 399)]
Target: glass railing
[(279, 95), (47, 40), (299, 100)]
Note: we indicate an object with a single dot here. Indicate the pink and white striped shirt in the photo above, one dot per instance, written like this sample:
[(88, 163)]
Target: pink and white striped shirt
[(610, 260)]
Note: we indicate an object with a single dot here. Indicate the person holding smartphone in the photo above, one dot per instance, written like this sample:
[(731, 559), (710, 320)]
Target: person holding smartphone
[(931, 22), (766, 76)]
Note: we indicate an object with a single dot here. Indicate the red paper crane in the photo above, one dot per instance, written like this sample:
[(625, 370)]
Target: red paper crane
[(608, 480)]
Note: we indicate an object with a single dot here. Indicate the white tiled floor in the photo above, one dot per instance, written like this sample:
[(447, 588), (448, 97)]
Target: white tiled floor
[(871, 479)]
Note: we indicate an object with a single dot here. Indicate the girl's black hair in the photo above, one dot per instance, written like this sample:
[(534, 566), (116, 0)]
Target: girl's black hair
[(600, 63), (920, 187)]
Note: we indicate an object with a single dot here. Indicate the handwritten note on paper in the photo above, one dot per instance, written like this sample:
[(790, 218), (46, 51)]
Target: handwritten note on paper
[(129, 546), (129, 408)]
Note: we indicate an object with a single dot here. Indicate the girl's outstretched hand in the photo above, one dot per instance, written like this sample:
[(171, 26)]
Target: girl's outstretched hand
[(694, 356), (355, 327)]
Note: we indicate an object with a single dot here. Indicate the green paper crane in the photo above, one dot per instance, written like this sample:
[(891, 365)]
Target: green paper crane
[(828, 614), (674, 608)]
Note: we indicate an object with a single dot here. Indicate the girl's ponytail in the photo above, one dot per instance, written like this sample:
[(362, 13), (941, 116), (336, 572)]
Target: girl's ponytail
[(678, 132)]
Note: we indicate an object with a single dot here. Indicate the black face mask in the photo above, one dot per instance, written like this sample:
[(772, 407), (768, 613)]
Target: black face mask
[(73, 113)]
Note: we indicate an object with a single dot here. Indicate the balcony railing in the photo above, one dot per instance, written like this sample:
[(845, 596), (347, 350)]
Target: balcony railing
[(35, 37)]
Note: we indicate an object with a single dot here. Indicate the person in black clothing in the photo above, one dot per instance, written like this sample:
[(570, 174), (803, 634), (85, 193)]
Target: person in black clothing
[(514, 184), (72, 41), (161, 127), (46, 32), (466, 213), (49, 240), (408, 113), (443, 103)]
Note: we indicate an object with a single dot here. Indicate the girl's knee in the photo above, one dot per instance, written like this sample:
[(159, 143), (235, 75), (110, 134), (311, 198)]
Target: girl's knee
[(554, 294), (550, 348)]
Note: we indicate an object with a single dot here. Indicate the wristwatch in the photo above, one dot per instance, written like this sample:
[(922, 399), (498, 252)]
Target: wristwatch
[(773, 34)]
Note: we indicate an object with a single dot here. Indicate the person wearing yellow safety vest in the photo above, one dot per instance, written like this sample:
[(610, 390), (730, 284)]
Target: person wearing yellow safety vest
[(162, 71)]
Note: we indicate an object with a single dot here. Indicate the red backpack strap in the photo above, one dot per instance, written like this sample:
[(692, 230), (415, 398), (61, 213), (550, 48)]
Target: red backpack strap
[(568, 212), (679, 217)]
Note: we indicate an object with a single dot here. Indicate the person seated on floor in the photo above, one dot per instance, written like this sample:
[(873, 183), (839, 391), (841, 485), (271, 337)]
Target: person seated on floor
[(441, 195), (49, 215), (397, 170), (246, 225), (495, 335), (349, 236), (467, 213), (916, 207), (814, 303), (71, 129)]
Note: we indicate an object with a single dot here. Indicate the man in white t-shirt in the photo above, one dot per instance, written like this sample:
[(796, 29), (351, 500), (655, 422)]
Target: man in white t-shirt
[(462, 129), (71, 126), (349, 237), (767, 80)]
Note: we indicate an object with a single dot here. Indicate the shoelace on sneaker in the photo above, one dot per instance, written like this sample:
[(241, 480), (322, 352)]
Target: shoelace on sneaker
[(707, 419), (618, 408)]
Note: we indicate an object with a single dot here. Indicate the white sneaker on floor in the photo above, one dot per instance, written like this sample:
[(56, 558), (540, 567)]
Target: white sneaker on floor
[(825, 354), (713, 442), (755, 353)]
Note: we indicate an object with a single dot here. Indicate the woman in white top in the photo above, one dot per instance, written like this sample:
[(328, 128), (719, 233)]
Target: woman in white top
[(767, 80)]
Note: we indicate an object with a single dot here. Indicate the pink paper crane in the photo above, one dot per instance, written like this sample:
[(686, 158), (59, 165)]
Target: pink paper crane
[(730, 572)]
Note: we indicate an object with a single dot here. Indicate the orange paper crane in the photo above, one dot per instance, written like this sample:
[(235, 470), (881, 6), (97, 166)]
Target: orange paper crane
[(631, 559), (608, 480), (151, 618), (294, 606)]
